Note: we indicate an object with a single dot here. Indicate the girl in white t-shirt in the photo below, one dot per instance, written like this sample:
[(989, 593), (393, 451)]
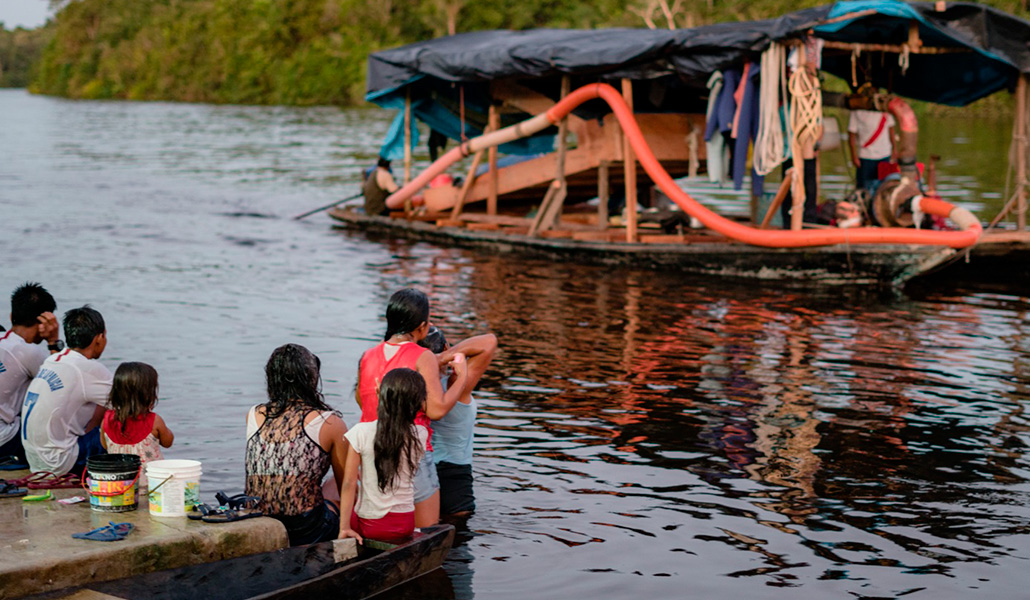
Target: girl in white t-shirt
[(385, 453)]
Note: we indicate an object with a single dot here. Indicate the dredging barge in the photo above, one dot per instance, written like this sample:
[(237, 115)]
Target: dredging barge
[(619, 150)]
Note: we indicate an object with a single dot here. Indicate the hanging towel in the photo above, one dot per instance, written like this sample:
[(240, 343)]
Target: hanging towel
[(747, 130)]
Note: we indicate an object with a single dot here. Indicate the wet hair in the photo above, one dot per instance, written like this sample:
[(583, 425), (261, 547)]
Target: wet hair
[(82, 325), (134, 391), (407, 309), (28, 302), (401, 395), (434, 341), (292, 377), (384, 163)]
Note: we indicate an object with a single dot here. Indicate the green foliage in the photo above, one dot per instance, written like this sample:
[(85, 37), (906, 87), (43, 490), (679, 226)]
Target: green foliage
[(295, 51), (20, 50)]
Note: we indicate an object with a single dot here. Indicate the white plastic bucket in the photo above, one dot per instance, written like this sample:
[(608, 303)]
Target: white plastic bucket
[(174, 486)]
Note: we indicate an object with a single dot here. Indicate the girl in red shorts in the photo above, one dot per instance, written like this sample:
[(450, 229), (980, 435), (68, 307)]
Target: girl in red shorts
[(384, 454)]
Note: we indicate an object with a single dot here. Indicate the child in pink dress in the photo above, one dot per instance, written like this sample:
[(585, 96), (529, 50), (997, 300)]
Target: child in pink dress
[(130, 426)]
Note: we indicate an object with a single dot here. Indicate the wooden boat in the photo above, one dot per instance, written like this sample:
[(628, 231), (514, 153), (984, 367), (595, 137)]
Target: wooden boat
[(519, 98), (341, 569)]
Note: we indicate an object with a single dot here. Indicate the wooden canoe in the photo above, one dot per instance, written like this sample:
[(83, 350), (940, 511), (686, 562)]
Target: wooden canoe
[(341, 569)]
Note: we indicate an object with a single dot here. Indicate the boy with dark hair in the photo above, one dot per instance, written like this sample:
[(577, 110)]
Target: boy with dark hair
[(66, 401), (21, 355)]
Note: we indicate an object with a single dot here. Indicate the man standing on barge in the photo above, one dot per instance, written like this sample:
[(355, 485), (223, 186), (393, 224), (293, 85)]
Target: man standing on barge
[(871, 137)]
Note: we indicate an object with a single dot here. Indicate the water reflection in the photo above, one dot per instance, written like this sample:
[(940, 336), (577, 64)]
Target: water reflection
[(640, 432)]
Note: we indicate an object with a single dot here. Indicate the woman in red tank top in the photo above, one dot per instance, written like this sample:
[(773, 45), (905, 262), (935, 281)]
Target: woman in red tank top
[(407, 322)]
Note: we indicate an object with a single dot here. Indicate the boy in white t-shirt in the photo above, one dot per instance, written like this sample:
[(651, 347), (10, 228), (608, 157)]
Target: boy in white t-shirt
[(871, 137), (66, 401), (21, 354)]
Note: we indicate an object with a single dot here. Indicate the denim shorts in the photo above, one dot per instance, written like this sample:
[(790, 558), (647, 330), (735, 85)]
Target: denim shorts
[(426, 480)]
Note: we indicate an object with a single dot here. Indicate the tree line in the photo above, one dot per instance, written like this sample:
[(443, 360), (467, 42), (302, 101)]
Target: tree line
[(299, 52)]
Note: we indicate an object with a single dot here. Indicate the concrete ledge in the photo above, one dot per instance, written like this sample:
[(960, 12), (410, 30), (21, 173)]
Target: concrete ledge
[(39, 554)]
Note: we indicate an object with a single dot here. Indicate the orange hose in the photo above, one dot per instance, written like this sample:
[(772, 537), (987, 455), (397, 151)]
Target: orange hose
[(711, 220)]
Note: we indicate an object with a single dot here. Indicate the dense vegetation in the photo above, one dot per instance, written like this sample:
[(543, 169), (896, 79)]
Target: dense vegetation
[(20, 51), (307, 51)]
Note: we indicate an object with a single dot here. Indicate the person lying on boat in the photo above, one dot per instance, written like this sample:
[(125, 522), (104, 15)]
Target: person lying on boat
[(66, 402), (21, 355), (453, 432), (407, 323), (292, 442), (384, 454), (379, 184)]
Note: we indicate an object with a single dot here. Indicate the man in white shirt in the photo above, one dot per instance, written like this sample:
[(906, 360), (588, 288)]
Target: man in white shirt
[(21, 354), (65, 403), (871, 137)]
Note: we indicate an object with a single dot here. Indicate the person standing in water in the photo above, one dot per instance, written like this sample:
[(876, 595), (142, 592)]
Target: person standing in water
[(407, 323), (453, 432)]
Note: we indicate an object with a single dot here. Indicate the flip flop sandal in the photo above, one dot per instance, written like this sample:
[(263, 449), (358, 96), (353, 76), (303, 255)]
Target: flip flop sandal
[(33, 477), (200, 511), (9, 490), (238, 501), (12, 463), (230, 515), (111, 532), (54, 482)]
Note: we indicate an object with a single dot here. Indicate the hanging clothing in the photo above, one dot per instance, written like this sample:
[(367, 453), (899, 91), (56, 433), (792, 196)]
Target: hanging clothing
[(747, 130), (715, 145)]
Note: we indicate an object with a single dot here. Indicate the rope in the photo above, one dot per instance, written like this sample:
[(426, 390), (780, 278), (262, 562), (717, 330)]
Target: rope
[(770, 150), (461, 95), (806, 116)]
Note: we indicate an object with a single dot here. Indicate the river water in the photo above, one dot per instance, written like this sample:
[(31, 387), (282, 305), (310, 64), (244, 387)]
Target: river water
[(639, 433)]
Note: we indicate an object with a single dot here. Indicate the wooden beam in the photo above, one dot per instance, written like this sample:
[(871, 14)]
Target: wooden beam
[(629, 165), (407, 136), (494, 123), (602, 195), (895, 48), (466, 186), (1021, 128), (545, 207), (781, 194)]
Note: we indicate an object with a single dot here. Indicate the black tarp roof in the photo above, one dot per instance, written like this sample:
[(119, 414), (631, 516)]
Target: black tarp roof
[(996, 45)]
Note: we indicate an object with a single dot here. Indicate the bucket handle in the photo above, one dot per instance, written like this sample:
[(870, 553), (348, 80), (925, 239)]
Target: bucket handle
[(85, 486), (158, 486)]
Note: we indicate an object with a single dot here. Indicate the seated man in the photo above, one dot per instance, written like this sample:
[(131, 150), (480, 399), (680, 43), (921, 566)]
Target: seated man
[(21, 354), (377, 187), (66, 401), (452, 433)]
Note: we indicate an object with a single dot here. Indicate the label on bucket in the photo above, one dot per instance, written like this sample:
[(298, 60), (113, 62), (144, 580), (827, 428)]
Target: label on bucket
[(113, 496), (174, 497)]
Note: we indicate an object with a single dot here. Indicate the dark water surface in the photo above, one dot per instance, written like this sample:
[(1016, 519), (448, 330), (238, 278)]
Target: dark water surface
[(641, 435)]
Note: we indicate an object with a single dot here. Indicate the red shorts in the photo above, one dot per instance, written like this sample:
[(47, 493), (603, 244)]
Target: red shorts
[(392, 527)]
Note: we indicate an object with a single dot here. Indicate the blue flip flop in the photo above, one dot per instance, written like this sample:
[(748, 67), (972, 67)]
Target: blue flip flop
[(12, 463), (111, 532)]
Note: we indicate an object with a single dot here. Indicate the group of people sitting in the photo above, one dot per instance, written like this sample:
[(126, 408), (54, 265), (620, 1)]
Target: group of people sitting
[(407, 462), (58, 404)]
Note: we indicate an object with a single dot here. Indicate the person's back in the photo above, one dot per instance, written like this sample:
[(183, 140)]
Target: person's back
[(131, 426), (65, 401), (285, 466), (21, 356), (377, 187)]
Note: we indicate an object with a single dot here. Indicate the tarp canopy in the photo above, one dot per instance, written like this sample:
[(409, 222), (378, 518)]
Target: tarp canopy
[(449, 76)]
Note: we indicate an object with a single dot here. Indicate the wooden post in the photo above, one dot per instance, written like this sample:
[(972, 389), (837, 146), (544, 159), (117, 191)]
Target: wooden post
[(1020, 139), (629, 164), (470, 178), (494, 123), (407, 137), (781, 194), (559, 174), (602, 195)]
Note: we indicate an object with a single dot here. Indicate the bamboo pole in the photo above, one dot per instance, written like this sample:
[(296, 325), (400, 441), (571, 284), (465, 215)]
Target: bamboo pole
[(602, 195), (494, 123), (629, 164), (1021, 150)]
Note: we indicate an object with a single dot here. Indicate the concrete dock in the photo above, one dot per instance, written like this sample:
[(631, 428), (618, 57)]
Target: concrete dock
[(39, 555)]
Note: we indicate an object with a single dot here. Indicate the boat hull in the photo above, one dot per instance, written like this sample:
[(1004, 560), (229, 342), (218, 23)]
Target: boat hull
[(880, 264)]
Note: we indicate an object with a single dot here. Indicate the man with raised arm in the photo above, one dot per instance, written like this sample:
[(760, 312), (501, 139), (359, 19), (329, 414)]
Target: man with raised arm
[(65, 403), (21, 354)]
